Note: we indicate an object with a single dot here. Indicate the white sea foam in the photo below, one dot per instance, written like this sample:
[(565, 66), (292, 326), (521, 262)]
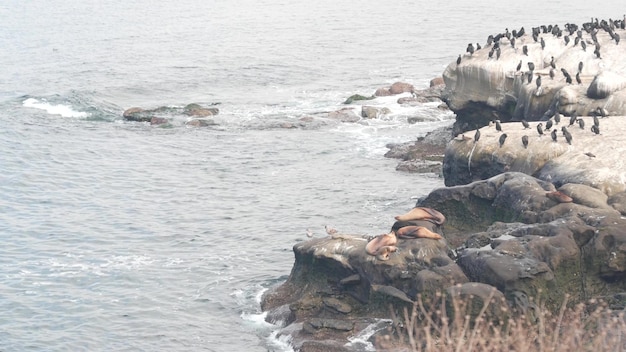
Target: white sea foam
[(58, 109), (361, 340)]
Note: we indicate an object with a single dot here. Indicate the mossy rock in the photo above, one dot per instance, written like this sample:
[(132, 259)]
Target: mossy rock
[(357, 97)]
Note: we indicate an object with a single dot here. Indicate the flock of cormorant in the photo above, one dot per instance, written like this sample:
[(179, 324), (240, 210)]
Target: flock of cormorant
[(570, 30)]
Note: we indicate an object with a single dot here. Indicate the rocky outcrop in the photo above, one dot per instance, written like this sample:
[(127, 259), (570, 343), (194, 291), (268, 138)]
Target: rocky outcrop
[(336, 289), (192, 114), (591, 159), (505, 238), (488, 84), (425, 155)]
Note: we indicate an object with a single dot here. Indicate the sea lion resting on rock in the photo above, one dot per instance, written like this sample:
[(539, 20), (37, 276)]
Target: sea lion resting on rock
[(410, 232), (383, 245), (385, 240), (422, 213)]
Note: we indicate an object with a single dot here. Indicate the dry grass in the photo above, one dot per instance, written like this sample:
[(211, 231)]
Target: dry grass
[(442, 326)]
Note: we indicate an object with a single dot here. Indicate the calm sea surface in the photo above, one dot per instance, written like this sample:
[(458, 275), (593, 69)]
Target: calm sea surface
[(121, 236)]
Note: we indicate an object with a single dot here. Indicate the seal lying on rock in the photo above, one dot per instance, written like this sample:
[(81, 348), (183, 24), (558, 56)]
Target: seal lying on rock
[(379, 242), (410, 232), (421, 213), (418, 223)]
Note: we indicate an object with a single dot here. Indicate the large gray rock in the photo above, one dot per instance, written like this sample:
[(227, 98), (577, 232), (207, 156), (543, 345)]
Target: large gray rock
[(557, 162), (480, 88)]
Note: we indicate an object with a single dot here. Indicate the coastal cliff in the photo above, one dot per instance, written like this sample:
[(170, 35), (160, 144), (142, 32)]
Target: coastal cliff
[(534, 211)]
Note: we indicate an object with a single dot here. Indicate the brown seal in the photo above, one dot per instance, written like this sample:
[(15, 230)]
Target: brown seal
[(384, 240), (559, 197), (422, 213), (409, 232), (383, 252)]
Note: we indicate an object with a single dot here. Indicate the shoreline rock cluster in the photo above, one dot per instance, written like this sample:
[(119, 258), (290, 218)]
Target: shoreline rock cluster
[(534, 211)]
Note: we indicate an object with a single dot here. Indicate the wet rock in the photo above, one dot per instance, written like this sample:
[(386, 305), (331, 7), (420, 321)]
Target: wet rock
[(373, 112), (200, 122), (158, 121), (344, 115), (358, 97), (198, 111), (401, 87), (382, 92), (437, 81), (137, 114)]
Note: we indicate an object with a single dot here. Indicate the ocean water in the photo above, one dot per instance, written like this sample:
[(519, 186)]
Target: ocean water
[(121, 236)]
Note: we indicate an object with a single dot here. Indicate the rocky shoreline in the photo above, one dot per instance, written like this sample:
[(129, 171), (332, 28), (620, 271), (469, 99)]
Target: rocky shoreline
[(532, 215)]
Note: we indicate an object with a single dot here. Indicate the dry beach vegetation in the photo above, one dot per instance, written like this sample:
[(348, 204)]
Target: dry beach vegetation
[(444, 324)]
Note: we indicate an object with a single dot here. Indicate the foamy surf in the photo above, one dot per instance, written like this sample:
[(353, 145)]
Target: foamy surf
[(361, 341), (52, 109)]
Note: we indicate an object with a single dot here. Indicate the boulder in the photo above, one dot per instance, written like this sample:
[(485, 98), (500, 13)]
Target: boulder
[(591, 160), (373, 112), (401, 87), (481, 88)]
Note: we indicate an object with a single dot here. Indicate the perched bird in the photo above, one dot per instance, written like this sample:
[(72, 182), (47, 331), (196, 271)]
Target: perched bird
[(595, 129), (552, 73), (502, 139), (519, 66), (552, 63), (530, 76), (476, 135), (538, 81), (525, 50), (581, 123), (330, 230), (566, 39), (583, 45), (525, 124), (513, 42), (568, 136), (543, 43), (540, 129), (591, 155), (580, 66), (596, 121), (458, 60), (557, 117), (525, 141), (531, 66), (470, 48), (572, 118), (498, 126), (548, 125), (616, 37), (478, 47), (603, 112), (553, 134)]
